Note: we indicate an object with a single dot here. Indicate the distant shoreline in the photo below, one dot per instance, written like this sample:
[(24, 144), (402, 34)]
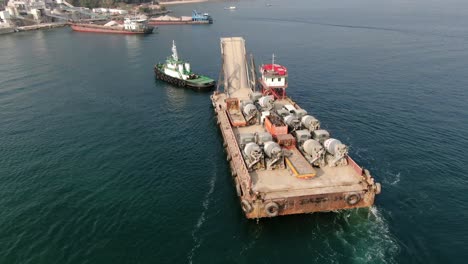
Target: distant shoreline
[(182, 2)]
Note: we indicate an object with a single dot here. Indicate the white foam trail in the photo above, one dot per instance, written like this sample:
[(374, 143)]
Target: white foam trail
[(397, 179), (201, 219), (257, 232), (391, 178), (371, 240)]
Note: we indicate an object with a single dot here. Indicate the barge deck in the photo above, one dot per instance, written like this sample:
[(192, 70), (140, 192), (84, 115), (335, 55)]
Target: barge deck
[(280, 191)]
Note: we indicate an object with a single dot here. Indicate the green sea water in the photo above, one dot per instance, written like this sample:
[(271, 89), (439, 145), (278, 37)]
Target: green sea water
[(101, 163)]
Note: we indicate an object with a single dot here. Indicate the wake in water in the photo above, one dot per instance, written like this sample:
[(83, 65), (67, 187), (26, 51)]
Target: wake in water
[(382, 168), (366, 235), (389, 29), (396, 178), (201, 219), (388, 175)]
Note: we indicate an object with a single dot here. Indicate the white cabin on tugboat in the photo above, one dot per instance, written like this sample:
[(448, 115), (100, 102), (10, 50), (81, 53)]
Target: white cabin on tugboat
[(178, 72), (177, 68), (274, 79)]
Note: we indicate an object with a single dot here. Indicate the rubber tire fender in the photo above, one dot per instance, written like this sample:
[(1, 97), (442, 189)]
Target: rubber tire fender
[(272, 209), (353, 198), (378, 188), (238, 188), (246, 206)]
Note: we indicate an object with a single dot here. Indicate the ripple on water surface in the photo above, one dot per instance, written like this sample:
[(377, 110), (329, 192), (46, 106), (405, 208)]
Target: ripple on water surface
[(101, 163)]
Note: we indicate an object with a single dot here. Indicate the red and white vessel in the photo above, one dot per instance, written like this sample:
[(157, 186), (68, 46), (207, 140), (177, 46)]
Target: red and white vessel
[(274, 79), (130, 26)]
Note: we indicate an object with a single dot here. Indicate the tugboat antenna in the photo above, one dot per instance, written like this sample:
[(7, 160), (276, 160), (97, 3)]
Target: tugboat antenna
[(174, 51)]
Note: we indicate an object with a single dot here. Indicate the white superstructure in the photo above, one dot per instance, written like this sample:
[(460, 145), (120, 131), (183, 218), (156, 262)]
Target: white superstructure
[(135, 24), (176, 68)]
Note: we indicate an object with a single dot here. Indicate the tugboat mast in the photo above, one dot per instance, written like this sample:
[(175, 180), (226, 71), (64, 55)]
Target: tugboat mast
[(174, 51)]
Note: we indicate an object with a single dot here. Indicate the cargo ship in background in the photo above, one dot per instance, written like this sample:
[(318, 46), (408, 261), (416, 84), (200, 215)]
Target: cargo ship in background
[(130, 26), (195, 19), (282, 162), (179, 72)]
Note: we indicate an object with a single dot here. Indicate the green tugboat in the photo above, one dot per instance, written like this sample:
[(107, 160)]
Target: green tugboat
[(178, 72)]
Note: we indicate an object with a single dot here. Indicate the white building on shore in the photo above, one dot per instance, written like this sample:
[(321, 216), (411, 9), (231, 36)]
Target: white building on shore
[(40, 11), (113, 11), (5, 19), (20, 8)]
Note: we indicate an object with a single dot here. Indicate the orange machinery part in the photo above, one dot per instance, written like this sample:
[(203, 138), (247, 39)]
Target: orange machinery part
[(275, 130), (286, 141)]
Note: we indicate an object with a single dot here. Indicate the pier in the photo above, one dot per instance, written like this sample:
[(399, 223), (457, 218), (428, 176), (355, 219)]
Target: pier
[(235, 68), (41, 26), (235, 74)]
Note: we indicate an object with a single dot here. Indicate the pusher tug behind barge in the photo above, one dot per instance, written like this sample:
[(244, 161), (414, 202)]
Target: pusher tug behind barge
[(282, 163)]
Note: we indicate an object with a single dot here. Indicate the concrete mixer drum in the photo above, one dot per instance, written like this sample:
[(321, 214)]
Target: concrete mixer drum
[(335, 147), (253, 155), (272, 149), (311, 123), (338, 150), (249, 109), (274, 154), (292, 121), (252, 150), (314, 152), (266, 102)]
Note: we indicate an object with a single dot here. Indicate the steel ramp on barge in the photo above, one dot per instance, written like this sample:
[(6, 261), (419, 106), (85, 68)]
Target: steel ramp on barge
[(298, 165), (235, 70)]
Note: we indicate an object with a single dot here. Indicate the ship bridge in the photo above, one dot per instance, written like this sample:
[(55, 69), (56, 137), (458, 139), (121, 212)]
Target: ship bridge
[(238, 76)]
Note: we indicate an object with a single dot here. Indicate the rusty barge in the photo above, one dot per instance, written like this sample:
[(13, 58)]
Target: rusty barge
[(281, 162), (130, 26), (195, 19)]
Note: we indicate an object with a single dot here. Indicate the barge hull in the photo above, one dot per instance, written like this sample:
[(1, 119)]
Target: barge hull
[(329, 199), (278, 192), (178, 22), (89, 29)]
